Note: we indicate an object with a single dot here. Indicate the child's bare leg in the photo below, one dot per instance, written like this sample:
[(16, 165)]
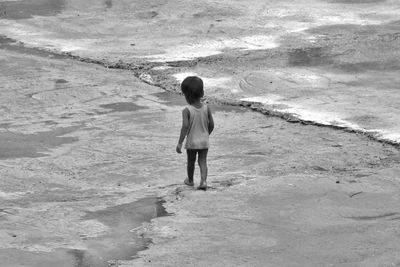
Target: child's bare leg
[(203, 165), (191, 161)]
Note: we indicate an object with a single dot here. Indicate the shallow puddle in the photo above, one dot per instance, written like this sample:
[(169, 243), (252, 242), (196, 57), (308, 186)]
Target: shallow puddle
[(119, 243), (28, 8)]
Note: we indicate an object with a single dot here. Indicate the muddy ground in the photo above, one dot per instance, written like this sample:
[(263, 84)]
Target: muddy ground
[(327, 61), (89, 172), (86, 151)]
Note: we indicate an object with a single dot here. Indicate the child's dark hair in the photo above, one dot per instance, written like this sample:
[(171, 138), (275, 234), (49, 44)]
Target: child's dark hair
[(192, 88)]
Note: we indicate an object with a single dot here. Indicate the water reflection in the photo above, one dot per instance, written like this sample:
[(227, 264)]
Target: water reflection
[(120, 243), (28, 8)]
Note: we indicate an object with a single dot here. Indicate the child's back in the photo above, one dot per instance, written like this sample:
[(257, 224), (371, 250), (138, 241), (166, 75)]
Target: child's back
[(198, 134)]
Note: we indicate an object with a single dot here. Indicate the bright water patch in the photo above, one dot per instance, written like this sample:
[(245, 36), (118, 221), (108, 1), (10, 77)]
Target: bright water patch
[(319, 116), (208, 82), (214, 47)]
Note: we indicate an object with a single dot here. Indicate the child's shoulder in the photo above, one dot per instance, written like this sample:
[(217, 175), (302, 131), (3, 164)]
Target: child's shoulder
[(186, 110)]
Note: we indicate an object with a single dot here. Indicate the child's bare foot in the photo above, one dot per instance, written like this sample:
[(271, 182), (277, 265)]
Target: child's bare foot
[(187, 182), (202, 186)]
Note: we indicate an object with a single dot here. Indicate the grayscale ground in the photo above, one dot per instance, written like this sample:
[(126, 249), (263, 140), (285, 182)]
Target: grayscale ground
[(90, 120)]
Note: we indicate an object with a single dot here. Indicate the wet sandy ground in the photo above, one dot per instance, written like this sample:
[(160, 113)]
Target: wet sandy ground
[(326, 61), (72, 186), (86, 151), (99, 148)]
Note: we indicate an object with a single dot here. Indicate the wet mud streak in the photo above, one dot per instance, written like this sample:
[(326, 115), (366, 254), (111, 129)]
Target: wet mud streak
[(28, 8), (368, 218)]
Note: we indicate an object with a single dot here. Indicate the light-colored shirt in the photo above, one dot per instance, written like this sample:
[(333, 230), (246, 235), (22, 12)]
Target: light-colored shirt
[(197, 135)]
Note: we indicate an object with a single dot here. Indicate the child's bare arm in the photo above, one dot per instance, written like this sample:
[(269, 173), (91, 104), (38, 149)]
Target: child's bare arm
[(184, 129), (210, 121)]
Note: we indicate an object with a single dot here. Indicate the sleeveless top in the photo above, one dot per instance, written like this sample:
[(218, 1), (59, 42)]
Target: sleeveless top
[(197, 135)]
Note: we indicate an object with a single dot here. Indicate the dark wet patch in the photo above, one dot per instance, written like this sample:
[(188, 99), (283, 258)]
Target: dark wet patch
[(356, 1), (6, 41), (108, 3), (58, 193), (123, 107), (356, 48), (308, 56), (19, 145), (374, 217), (213, 12), (16, 46), (28, 8), (61, 81), (50, 122), (319, 168), (5, 125), (146, 15), (172, 99), (339, 30)]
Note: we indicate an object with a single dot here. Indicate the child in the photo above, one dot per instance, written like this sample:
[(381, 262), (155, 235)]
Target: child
[(197, 125)]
